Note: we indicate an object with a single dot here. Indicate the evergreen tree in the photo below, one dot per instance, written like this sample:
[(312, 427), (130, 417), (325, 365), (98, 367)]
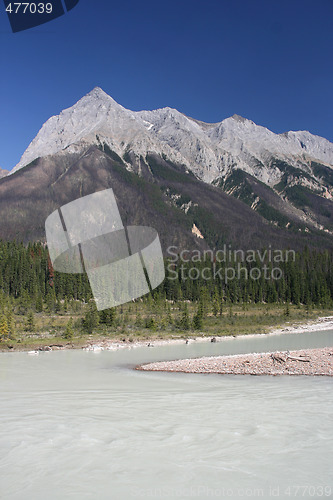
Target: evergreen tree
[(69, 331), (30, 322), (185, 321), (138, 320), (91, 319), (108, 316), (4, 330), (151, 323), (221, 305), (10, 323), (198, 318), (58, 306), (50, 299), (169, 315), (287, 310), (24, 302), (39, 303), (216, 303)]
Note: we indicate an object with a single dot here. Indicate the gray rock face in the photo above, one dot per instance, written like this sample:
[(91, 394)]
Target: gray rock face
[(286, 178), (211, 151)]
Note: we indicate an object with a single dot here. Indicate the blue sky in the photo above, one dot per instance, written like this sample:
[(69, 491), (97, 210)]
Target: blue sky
[(270, 61)]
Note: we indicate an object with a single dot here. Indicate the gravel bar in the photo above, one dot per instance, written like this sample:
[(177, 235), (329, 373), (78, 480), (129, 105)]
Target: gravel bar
[(301, 362)]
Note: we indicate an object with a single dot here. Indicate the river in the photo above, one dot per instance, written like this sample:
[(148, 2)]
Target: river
[(79, 425)]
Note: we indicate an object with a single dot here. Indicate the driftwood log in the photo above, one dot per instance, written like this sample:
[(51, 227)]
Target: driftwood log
[(278, 358), (305, 360)]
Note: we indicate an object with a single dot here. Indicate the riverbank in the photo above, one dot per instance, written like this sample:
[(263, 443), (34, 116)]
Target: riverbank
[(313, 362), (98, 342), (320, 324)]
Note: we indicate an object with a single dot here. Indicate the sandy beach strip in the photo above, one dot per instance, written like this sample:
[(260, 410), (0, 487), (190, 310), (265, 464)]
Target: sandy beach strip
[(300, 362)]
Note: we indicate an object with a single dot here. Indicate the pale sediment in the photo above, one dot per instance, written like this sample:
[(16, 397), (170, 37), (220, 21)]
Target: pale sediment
[(301, 362)]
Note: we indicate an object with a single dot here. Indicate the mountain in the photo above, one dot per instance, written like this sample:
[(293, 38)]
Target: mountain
[(209, 150), (201, 184)]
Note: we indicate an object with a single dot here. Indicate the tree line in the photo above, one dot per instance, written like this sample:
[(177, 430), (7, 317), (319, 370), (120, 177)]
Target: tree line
[(27, 275)]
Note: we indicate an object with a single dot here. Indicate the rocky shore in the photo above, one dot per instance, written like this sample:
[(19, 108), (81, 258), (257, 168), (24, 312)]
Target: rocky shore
[(302, 362)]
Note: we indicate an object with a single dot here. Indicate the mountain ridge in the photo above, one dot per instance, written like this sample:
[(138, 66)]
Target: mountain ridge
[(270, 174), (165, 128)]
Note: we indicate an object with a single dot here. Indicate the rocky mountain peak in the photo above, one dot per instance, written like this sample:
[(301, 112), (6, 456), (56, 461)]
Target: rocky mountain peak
[(209, 150), (239, 118), (97, 97)]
